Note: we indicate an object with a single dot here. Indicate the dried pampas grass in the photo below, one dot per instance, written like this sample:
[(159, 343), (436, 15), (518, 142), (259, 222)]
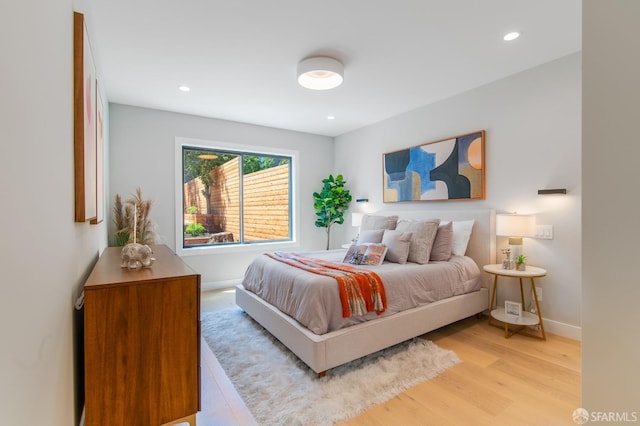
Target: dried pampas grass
[(123, 219)]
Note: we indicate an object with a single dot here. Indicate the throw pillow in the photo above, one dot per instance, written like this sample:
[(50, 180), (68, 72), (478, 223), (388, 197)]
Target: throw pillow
[(378, 222), (365, 254), (370, 236), (398, 244), (423, 233), (461, 235), (443, 243)]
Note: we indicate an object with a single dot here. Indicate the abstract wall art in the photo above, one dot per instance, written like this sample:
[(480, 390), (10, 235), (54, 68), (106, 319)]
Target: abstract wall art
[(84, 130), (99, 159), (448, 169)]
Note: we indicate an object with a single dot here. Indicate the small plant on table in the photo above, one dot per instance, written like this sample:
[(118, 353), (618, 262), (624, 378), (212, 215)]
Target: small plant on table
[(521, 260)]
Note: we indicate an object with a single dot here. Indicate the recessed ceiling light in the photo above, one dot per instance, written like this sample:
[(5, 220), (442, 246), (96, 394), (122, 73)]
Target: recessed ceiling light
[(184, 88), (511, 36), (331, 117), (320, 73)]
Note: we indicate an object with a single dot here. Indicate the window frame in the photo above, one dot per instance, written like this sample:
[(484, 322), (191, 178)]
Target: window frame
[(180, 143)]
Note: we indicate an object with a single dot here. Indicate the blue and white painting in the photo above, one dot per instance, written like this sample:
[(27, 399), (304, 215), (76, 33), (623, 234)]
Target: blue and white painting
[(449, 169)]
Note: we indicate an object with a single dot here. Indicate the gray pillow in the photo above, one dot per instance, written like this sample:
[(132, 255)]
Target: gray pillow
[(370, 236), (378, 222), (443, 243), (397, 245), (423, 233)]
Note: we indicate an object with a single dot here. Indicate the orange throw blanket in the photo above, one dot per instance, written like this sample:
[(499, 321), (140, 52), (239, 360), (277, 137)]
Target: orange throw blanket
[(361, 290)]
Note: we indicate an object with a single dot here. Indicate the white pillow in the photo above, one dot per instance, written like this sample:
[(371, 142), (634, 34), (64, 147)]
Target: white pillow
[(461, 235)]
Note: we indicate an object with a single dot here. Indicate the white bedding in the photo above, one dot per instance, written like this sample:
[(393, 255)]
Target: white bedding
[(313, 299)]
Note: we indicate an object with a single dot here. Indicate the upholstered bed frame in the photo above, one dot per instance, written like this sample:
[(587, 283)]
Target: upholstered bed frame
[(323, 352)]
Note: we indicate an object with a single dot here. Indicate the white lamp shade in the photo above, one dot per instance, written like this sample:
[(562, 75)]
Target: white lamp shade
[(514, 225), (320, 73), (356, 219)]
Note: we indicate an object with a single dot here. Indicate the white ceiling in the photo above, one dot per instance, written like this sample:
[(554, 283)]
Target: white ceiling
[(240, 56)]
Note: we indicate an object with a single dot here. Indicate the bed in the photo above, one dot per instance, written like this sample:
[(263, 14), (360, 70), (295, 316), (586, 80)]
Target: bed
[(330, 342)]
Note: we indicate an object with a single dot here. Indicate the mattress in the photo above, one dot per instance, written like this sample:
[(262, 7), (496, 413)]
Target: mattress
[(314, 301)]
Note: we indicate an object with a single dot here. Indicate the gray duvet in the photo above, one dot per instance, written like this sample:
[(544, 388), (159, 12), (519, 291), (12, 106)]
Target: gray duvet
[(313, 299)]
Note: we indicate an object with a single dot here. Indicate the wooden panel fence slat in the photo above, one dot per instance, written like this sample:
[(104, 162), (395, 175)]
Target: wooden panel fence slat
[(266, 201)]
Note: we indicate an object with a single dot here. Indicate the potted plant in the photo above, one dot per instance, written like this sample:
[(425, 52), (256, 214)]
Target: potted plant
[(521, 262), (195, 229), (195, 233), (506, 261), (330, 203)]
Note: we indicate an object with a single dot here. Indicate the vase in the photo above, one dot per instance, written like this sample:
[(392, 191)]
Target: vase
[(521, 266)]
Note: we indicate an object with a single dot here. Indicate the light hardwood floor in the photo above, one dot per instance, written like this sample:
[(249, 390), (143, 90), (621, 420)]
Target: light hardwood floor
[(515, 381)]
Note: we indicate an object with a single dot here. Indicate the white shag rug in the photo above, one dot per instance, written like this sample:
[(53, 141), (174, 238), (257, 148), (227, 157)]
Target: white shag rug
[(279, 389)]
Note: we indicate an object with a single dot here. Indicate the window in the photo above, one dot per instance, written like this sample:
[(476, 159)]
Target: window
[(232, 198)]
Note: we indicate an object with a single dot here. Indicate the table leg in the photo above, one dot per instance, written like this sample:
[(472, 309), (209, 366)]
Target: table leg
[(493, 293), (535, 298), (522, 295), (493, 297)]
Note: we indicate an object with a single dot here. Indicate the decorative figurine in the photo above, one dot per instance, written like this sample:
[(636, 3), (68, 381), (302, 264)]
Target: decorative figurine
[(136, 256), (506, 261)]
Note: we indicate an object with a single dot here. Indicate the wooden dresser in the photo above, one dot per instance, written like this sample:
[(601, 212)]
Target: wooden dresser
[(141, 342)]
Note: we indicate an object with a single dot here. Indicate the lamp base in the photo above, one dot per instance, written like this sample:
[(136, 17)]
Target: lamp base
[(516, 250), (515, 241)]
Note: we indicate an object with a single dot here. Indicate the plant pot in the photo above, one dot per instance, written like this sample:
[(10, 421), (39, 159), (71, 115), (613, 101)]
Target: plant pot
[(200, 239), (521, 266)]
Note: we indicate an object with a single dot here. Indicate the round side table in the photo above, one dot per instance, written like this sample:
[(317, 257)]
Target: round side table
[(526, 318)]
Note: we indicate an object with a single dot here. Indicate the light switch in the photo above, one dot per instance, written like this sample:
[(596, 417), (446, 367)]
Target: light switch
[(544, 232)]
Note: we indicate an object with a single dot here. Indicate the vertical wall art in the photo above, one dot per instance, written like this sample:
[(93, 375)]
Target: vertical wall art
[(448, 169), (84, 129), (99, 159)]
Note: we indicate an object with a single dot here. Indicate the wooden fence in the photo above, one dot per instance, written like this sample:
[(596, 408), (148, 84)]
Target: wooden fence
[(266, 202)]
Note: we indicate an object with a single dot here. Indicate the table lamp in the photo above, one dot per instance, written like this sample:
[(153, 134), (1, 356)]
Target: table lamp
[(356, 219), (515, 226)]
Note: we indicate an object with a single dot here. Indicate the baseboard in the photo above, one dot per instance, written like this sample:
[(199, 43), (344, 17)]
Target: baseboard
[(562, 329), (219, 285)]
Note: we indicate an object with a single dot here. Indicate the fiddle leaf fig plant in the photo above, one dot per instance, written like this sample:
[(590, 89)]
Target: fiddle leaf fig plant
[(331, 203)]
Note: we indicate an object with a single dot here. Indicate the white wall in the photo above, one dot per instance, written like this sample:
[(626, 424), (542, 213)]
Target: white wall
[(45, 256), (533, 141), (142, 154), (611, 148)]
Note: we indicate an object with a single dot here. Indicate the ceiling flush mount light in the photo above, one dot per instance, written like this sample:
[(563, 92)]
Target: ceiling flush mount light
[(320, 73), (184, 88), (331, 117), (511, 36)]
